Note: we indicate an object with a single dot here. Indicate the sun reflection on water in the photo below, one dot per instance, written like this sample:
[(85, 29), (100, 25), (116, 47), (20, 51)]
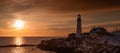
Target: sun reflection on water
[(18, 41), (18, 50)]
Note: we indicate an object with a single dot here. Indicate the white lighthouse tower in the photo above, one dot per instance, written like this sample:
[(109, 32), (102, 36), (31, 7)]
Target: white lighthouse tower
[(78, 30)]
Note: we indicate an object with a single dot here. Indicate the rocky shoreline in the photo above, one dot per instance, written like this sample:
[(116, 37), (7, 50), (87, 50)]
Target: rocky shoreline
[(85, 44)]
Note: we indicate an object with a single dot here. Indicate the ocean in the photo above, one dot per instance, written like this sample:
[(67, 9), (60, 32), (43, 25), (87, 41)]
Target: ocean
[(4, 41)]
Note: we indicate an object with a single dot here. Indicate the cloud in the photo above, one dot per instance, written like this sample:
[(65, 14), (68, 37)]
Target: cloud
[(61, 6), (102, 17), (7, 8), (73, 5), (6, 20), (58, 6)]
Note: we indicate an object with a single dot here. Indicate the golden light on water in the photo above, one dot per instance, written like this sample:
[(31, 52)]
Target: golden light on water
[(18, 41), (19, 24), (18, 50)]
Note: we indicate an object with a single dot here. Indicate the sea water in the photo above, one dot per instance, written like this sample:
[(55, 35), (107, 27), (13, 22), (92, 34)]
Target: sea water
[(4, 41)]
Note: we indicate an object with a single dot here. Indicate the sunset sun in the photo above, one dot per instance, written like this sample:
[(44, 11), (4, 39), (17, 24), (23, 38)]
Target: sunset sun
[(19, 24)]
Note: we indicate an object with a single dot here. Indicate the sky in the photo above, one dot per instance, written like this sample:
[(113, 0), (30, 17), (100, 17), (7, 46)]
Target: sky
[(57, 17)]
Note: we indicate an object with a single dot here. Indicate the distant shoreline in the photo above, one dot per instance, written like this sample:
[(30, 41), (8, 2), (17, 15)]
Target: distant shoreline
[(24, 45)]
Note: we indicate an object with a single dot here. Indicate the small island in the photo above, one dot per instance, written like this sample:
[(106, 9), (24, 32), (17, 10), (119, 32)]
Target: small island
[(24, 45), (98, 40)]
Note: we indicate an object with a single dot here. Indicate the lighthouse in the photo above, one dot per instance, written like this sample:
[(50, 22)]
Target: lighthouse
[(78, 29)]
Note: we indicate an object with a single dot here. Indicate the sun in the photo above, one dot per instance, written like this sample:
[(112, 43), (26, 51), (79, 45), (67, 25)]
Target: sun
[(19, 24)]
